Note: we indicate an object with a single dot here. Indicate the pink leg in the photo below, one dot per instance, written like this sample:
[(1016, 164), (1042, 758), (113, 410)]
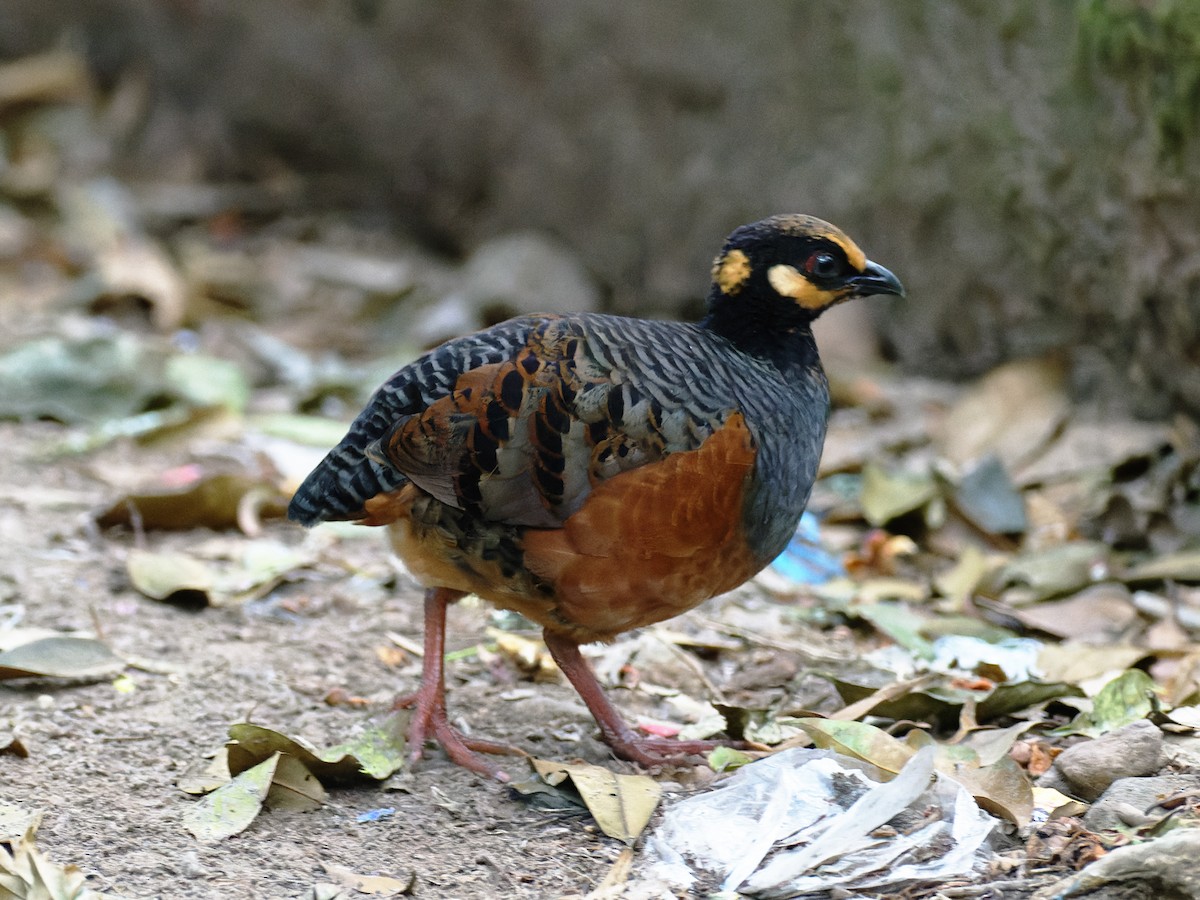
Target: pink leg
[(626, 743), (429, 720)]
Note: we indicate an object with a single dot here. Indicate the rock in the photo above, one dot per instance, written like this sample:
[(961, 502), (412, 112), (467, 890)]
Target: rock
[(1164, 867), (1183, 752), (524, 272), (1089, 768), (1128, 799)]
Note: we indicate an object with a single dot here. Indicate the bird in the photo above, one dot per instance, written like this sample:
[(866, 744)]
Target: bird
[(599, 473)]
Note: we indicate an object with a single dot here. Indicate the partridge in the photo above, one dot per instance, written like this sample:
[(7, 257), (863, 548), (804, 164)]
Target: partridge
[(597, 473)]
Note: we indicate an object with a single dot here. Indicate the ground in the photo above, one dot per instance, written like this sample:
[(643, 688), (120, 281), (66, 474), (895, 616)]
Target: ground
[(103, 764)]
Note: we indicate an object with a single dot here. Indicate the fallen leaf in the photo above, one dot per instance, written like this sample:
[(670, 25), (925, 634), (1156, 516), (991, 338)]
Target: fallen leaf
[(79, 382), (294, 787), (207, 775), (60, 657), (1054, 571), (1075, 662), (1128, 698), (1052, 804), (726, 759), (1098, 612), (987, 498), (621, 804), (958, 583), (1011, 412), (1181, 566), (859, 740), (376, 885), (26, 874), (209, 501), (231, 808), (1094, 448), (993, 744), (1002, 788), (899, 622), (202, 381), (171, 576), (376, 753), (886, 495)]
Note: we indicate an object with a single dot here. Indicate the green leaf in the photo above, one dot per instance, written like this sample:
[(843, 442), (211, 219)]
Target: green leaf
[(203, 380), (900, 623), (231, 808), (726, 759), (887, 495), (1128, 698), (376, 753)]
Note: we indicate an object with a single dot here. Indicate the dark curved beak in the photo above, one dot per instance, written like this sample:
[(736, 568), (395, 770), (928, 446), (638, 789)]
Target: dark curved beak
[(875, 279)]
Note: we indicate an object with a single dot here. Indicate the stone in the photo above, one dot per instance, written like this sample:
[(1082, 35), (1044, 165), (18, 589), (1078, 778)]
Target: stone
[(1127, 800), (1089, 768), (1164, 868)]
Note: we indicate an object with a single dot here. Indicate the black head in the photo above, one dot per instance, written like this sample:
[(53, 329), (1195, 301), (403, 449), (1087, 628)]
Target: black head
[(783, 272)]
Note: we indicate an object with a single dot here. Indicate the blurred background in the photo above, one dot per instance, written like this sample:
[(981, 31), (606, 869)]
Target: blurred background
[(369, 174)]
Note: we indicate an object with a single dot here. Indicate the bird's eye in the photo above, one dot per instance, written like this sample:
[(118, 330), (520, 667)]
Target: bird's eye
[(822, 265)]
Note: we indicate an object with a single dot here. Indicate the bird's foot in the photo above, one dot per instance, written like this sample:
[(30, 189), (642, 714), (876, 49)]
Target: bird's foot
[(429, 723)]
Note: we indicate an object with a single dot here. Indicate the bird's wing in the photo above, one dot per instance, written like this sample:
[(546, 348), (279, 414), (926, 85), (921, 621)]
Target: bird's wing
[(524, 440)]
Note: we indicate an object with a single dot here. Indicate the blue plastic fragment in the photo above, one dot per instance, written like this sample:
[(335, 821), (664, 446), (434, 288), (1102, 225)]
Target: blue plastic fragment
[(374, 815), (804, 560)]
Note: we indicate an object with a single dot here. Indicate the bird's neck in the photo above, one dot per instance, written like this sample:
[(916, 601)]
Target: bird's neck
[(787, 344)]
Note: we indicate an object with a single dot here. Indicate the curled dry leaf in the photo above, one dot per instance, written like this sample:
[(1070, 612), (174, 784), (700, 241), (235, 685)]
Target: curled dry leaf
[(209, 501), (376, 753)]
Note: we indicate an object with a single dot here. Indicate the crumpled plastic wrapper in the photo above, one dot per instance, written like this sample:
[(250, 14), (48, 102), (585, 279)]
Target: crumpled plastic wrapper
[(805, 821)]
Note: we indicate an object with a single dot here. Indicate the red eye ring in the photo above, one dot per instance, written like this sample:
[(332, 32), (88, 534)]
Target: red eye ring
[(821, 264)]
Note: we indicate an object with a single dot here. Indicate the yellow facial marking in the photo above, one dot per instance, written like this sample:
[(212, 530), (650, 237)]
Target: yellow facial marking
[(788, 282), (731, 271)]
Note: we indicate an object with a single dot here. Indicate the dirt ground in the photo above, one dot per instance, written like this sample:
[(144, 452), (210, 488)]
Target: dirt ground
[(103, 763)]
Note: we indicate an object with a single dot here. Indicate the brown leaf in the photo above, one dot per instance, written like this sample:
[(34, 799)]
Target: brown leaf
[(211, 501), (1013, 411)]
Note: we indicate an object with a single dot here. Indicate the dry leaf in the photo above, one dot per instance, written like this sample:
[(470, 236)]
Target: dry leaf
[(170, 575), (860, 741), (60, 657), (1011, 412), (25, 874), (376, 753), (209, 501), (294, 787), (376, 885), (621, 804)]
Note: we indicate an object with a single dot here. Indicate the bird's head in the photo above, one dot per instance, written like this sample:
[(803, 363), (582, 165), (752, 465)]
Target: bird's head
[(789, 269)]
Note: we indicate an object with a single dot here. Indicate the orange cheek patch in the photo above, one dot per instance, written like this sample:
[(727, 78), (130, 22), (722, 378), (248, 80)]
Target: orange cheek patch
[(731, 271), (788, 282)]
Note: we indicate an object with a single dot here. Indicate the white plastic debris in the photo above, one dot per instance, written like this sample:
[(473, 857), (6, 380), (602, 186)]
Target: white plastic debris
[(807, 821)]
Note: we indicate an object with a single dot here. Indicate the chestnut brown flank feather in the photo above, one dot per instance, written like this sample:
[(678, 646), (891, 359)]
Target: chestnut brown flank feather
[(652, 542)]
